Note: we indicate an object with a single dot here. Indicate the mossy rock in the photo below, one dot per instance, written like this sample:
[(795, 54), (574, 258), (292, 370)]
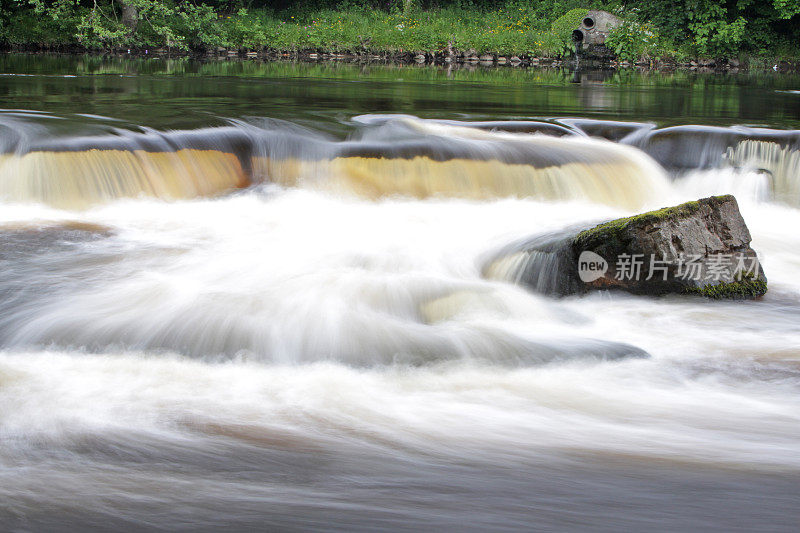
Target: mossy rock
[(617, 231), (709, 233), (700, 247), (746, 288)]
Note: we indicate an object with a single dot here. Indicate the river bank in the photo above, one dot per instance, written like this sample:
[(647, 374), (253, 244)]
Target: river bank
[(467, 60), (543, 33)]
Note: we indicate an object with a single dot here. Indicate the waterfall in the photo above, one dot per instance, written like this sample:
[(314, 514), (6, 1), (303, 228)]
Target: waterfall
[(426, 158), (781, 163)]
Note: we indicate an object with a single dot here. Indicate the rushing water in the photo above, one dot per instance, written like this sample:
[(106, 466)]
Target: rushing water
[(254, 297)]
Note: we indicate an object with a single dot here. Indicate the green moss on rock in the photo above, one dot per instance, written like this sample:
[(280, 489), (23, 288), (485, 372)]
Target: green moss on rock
[(735, 290), (613, 232), (702, 229)]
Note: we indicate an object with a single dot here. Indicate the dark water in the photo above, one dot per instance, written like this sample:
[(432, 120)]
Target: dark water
[(180, 93), (293, 354)]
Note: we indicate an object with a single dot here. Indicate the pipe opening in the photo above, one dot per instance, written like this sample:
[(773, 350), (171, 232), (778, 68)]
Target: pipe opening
[(577, 36), (588, 22)]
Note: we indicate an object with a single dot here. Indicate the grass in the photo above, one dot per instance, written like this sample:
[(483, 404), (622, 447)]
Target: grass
[(530, 29), (509, 30), (495, 32)]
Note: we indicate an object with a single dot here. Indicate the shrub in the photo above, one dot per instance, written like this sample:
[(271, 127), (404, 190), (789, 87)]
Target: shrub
[(632, 41), (563, 27)]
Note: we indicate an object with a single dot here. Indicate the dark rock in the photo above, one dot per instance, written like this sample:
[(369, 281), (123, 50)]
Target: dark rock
[(610, 129), (597, 52), (700, 247), (514, 126), (693, 147)]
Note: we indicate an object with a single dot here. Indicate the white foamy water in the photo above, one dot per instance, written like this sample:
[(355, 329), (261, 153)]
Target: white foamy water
[(286, 357)]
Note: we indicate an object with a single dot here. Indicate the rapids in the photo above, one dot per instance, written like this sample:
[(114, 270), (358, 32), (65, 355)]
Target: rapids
[(266, 325)]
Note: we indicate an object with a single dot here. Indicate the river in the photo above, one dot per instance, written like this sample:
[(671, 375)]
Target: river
[(253, 296)]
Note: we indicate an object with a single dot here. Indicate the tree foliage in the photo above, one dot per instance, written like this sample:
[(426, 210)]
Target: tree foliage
[(725, 27), (652, 28), (633, 40), (563, 27)]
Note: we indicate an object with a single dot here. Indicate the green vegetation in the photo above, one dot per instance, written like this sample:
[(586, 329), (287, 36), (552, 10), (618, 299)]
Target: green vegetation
[(656, 29), (743, 289), (714, 28), (562, 28), (614, 231), (633, 40), (514, 28)]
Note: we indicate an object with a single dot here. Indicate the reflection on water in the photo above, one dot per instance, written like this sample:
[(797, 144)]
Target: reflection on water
[(182, 93)]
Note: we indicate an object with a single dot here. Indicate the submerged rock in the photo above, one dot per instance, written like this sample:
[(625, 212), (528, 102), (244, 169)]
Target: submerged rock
[(691, 147), (700, 247)]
